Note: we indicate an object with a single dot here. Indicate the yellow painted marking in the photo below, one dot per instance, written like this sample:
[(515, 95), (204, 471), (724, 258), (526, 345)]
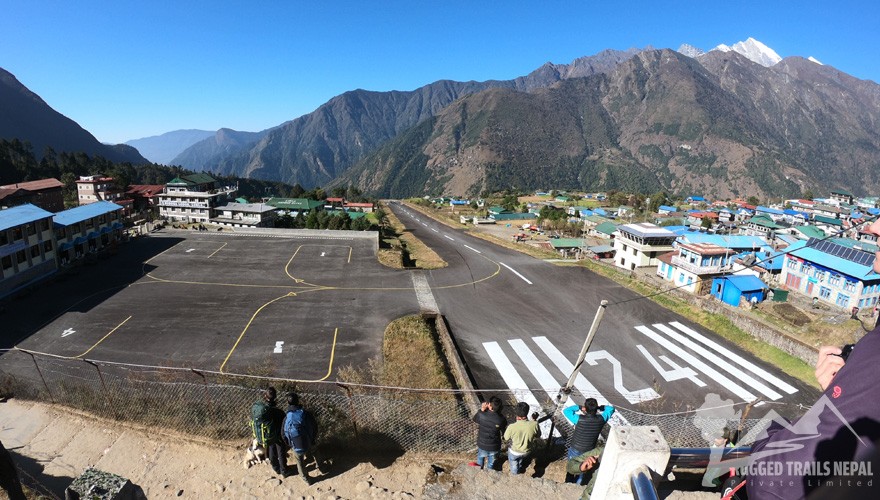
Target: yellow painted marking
[(104, 337), (221, 248), (248, 325), (332, 354)]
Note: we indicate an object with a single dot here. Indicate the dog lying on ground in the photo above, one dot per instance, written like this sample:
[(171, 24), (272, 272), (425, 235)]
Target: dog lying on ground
[(256, 454)]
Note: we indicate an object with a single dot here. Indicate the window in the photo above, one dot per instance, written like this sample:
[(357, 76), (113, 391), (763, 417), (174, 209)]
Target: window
[(842, 300), (6, 262), (834, 280), (634, 251), (44, 225), (35, 251), (681, 277), (47, 246), (20, 256), (849, 286), (4, 239), (31, 228), (16, 233), (690, 280), (825, 292)]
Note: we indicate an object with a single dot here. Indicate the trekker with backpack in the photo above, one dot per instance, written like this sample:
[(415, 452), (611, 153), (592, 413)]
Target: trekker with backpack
[(299, 432), (266, 422)]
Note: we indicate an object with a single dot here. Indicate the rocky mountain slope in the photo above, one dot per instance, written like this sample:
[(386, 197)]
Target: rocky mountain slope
[(718, 124), (26, 117), (316, 148)]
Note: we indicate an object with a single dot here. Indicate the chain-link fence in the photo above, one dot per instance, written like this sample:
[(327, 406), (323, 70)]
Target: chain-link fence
[(216, 405)]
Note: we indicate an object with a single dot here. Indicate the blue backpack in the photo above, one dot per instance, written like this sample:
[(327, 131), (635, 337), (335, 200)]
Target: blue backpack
[(299, 429)]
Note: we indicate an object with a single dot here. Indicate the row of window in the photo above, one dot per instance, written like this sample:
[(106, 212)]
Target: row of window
[(18, 232), (21, 256)]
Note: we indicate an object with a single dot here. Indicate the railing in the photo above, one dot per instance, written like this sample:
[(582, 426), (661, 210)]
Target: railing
[(683, 263)]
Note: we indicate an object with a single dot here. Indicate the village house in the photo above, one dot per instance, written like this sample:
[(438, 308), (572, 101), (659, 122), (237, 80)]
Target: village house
[(691, 266), (639, 245), (831, 273), (193, 198), (27, 249), (245, 215), (45, 193)]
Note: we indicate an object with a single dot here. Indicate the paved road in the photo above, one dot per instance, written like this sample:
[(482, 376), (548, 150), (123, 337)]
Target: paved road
[(522, 321)]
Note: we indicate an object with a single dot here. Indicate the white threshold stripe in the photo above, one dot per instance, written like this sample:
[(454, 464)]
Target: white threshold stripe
[(516, 273), (435, 230), (720, 362), (710, 372), (448, 237), (424, 224), (728, 354), (511, 377), (584, 386), (548, 384), (474, 249)]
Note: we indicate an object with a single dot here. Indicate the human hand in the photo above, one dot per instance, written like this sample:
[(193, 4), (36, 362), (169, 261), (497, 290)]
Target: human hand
[(589, 464), (484, 406), (828, 364)]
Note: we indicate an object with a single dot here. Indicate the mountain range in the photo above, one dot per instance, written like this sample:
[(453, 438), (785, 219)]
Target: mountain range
[(732, 121), (26, 117), (164, 148)]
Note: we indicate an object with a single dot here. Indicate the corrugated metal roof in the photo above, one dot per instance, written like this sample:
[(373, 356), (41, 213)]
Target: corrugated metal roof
[(833, 262), (746, 283), (79, 214), (22, 214), (36, 185), (568, 243), (606, 228), (726, 241), (647, 230)]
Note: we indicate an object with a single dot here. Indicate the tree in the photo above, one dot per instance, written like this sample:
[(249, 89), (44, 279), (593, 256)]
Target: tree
[(706, 222), (808, 195), (753, 200)]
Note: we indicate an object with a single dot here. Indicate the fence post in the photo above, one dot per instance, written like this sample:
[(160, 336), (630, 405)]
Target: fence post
[(40, 372), (204, 383), (107, 402), (351, 406)]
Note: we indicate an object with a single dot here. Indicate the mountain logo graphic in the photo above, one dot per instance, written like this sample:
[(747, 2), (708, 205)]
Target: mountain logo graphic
[(804, 429)]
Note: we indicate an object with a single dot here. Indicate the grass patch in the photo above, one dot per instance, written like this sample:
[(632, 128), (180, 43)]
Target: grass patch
[(405, 249), (411, 357)]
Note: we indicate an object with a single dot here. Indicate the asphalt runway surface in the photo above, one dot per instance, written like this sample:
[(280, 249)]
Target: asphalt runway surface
[(523, 321), (302, 307), (298, 307)]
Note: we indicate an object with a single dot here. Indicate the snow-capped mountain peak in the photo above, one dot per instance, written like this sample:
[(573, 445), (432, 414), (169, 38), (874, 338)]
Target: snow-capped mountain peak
[(690, 50), (757, 52), (813, 59), (722, 48)]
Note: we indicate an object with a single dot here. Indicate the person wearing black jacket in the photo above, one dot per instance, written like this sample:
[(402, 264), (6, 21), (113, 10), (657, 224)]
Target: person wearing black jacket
[(491, 426), (588, 426)]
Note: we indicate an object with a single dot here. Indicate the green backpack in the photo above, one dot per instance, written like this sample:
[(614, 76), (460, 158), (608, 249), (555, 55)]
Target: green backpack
[(263, 428)]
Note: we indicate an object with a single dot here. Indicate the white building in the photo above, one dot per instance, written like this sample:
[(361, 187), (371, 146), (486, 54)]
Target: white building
[(193, 198), (639, 245), (693, 265), (245, 215), (27, 248)]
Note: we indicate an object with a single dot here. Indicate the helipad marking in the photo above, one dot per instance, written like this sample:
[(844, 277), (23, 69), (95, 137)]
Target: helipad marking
[(279, 345), (69, 331)]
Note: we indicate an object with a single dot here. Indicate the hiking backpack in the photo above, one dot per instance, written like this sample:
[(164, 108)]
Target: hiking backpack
[(262, 427), (299, 429)]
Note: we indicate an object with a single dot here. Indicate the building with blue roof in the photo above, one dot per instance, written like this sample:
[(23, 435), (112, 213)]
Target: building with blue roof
[(832, 273), (27, 249), (666, 210), (87, 229), (736, 242), (732, 289)]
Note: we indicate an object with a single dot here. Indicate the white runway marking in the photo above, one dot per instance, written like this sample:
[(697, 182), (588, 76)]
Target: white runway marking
[(474, 249), (69, 331), (516, 273), (191, 250), (548, 383), (448, 238), (727, 354), (510, 375), (279, 345), (696, 363), (717, 360), (433, 229), (423, 293)]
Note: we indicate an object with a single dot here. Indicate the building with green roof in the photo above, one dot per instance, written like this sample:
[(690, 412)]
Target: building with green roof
[(194, 198), (294, 206)]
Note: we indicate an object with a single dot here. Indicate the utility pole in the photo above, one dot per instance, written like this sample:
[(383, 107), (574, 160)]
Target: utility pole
[(566, 389)]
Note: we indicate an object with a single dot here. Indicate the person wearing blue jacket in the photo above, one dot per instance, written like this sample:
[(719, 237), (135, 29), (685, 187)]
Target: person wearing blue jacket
[(588, 425)]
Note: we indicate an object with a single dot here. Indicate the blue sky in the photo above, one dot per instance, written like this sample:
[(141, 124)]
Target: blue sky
[(125, 69)]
